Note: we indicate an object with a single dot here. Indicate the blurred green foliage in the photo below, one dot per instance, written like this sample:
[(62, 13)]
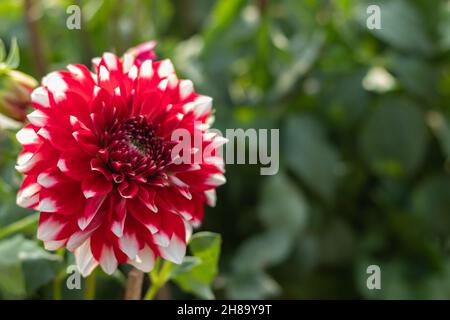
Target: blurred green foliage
[(365, 138)]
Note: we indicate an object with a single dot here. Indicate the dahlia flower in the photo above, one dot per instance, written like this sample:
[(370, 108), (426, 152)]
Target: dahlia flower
[(98, 164)]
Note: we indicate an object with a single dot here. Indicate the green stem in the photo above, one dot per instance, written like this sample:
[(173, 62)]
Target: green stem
[(19, 225), (57, 289), (151, 293), (57, 292), (89, 290), (158, 278)]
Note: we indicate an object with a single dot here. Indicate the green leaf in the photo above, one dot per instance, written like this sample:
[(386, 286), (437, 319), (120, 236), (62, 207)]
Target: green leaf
[(186, 266), (12, 279), (13, 59), (252, 285), (223, 14), (196, 273), (431, 202), (416, 75), (440, 128), (444, 29), (336, 243), (162, 13), (394, 139), (400, 280), (344, 99), (24, 267), (107, 286), (282, 204), (262, 251), (305, 51), (401, 25), (206, 246), (39, 266), (309, 155)]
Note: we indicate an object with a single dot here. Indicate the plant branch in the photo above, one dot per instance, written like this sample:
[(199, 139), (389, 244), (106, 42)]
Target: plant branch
[(133, 290), (37, 50), (19, 225)]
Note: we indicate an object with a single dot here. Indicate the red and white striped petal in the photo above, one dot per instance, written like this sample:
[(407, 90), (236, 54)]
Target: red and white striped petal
[(27, 136), (96, 185), (144, 260), (129, 244), (75, 164), (40, 98), (84, 259), (175, 251), (108, 260), (90, 210), (28, 195), (149, 219), (119, 215)]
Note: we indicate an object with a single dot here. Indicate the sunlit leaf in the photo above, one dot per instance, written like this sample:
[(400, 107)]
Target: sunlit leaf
[(224, 12), (197, 273)]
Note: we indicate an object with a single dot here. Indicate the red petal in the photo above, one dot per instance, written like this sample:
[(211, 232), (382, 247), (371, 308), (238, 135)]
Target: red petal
[(96, 185)]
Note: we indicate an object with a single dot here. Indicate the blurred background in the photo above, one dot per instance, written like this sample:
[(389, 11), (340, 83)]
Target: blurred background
[(364, 133)]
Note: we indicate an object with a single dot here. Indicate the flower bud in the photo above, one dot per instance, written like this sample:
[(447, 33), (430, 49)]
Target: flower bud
[(143, 51), (15, 94)]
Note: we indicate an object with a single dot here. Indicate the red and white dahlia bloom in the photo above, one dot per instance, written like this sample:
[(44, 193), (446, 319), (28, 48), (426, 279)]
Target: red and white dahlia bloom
[(98, 164)]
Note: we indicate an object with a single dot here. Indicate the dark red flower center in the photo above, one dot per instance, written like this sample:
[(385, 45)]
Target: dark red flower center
[(135, 149)]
